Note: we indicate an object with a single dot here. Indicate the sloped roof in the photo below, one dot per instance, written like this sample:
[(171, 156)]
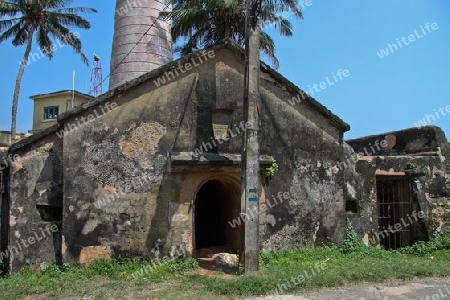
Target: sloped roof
[(34, 97), (224, 44), (227, 44)]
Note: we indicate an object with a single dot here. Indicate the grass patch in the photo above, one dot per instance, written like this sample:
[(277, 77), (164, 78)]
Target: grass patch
[(101, 275), (347, 263)]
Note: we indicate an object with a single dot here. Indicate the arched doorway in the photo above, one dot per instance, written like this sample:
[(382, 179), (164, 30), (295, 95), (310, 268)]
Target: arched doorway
[(217, 204)]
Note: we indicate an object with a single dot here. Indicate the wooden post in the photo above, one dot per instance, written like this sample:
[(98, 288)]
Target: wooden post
[(250, 155)]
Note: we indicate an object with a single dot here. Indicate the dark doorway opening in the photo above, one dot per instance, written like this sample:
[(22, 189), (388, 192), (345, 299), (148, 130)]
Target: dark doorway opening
[(216, 205), (394, 209), (208, 231)]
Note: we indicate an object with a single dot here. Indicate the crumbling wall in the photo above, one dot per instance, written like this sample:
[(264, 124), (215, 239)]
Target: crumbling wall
[(360, 194), (117, 185), (35, 192), (120, 193), (307, 147), (419, 154), (4, 201), (304, 198)]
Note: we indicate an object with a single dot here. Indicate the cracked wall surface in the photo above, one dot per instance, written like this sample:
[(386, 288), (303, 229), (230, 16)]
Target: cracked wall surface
[(123, 197), (422, 154), (116, 186), (36, 204)]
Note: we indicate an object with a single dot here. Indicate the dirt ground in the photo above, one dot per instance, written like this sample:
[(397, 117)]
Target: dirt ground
[(424, 289)]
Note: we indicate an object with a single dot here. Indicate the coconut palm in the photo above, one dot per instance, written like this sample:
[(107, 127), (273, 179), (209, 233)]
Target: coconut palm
[(205, 22), (21, 20)]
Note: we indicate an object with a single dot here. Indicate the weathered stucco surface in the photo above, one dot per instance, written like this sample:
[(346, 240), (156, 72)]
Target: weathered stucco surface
[(36, 203), (422, 154), (126, 182), (110, 157)]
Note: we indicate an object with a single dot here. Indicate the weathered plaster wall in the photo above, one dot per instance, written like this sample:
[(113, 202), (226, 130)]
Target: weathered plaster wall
[(305, 145), (36, 203), (122, 197), (360, 191), (304, 153), (123, 155), (424, 149), (105, 157), (4, 200)]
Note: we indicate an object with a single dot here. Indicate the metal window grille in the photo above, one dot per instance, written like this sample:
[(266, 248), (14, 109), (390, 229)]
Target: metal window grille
[(394, 204)]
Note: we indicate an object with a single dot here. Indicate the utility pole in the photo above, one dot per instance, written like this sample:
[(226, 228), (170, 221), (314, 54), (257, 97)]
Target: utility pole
[(250, 153)]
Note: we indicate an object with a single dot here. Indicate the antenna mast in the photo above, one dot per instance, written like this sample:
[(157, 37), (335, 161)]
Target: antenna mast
[(96, 78)]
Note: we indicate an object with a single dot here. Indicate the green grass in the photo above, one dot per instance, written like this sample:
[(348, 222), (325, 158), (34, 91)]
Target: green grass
[(346, 263)]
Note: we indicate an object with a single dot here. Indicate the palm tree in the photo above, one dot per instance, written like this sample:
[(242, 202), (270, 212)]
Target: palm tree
[(205, 22), (22, 19)]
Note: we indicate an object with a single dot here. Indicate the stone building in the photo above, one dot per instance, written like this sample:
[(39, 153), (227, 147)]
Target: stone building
[(404, 181), (152, 168), (125, 173)]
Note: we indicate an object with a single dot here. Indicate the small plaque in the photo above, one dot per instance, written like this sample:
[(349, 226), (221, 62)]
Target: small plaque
[(220, 130), (221, 122)]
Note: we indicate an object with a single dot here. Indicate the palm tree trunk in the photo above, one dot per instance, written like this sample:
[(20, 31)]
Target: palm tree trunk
[(18, 81)]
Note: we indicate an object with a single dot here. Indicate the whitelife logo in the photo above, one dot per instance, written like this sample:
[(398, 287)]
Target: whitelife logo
[(411, 38), (195, 61), (262, 208), (212, 140), (341, 74), (398, 226), (352, 159), (31, 240), (431, 118), (66, 40), (74, 126)]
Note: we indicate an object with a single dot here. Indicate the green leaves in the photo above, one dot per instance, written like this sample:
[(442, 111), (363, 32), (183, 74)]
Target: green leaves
[(411, 166), (437, 243), (45, 19), (205, 22), (270, 171), (351, 243)]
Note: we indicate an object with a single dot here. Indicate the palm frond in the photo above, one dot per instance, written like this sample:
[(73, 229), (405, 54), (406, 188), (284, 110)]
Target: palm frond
[(205, 22), (20, 38), (5, 24), (44, 43), (54, 21), (11, 32), (70, 20), (76, 10), (267, 46), (9, 9)]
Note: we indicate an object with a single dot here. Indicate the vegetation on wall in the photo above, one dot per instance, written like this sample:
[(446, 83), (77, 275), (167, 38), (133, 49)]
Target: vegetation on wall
[(270, 171), (411, 166)]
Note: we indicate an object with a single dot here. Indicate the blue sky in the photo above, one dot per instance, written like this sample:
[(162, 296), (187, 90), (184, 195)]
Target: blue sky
[(378, 95)]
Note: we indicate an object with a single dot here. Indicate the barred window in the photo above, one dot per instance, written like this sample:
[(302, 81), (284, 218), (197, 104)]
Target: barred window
[(51, 112)]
